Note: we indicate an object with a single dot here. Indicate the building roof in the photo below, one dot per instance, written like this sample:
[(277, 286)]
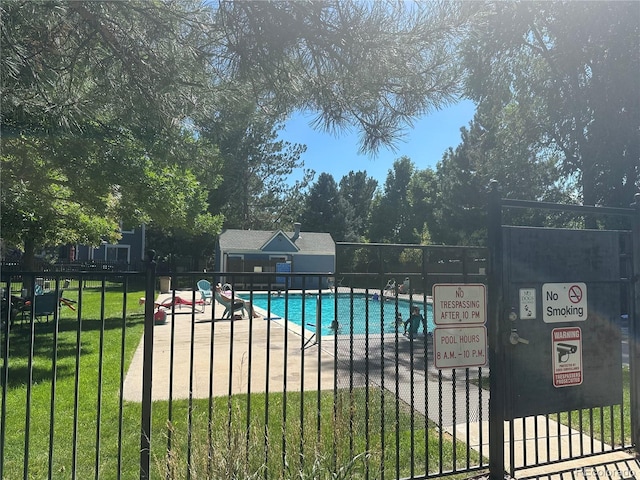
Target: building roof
[(251, 241)]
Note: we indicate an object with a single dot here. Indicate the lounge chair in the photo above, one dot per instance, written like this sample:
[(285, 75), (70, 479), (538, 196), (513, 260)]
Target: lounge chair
[(231, 306), (204, 287), (406, 286), (46, 304), (391, 285)]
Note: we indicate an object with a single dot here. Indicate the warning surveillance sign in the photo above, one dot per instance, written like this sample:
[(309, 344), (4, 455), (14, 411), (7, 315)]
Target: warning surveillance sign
[(566, 348)]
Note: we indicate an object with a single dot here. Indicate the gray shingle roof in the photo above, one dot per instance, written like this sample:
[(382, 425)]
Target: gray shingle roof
[(254, 240)]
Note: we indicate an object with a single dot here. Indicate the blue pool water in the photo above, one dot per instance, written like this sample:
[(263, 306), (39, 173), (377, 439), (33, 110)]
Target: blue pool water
[(366, 311)]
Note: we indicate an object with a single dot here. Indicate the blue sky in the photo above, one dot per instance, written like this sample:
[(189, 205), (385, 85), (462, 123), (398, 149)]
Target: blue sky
[(431, 136)]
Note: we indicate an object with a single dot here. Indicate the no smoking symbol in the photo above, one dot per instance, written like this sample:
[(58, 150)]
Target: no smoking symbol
[(575, 294)]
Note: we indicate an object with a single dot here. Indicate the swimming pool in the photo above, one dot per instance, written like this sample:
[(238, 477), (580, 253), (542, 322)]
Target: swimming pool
[(366, 311)]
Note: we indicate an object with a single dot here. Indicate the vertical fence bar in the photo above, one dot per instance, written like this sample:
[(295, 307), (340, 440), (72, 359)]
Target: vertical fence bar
[(454, 454), (170, 467), (100, 372), (425, 293), (396, 367), (468, 418), (351, 372), (496, 379), (412, 404), (480, 418), (123, 344), (303, 320), (367, 439), (334, 437), (147, 368), (319, 361), (211, 389), (266, 392), (285, 374), (6, 326), (230, 378), (192, 341), (27, 426), (634, 330), (54, 374), (76, 387), (580, 419), (382, 382)]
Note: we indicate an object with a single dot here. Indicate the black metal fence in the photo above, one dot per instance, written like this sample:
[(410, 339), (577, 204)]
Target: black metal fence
[(120, 382)]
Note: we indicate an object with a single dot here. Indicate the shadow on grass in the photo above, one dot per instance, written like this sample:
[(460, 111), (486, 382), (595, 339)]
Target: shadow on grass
[(41, 349)]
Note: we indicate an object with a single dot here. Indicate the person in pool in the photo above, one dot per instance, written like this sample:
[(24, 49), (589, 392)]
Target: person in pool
[(412, 325), (334, 327), (399, 321)]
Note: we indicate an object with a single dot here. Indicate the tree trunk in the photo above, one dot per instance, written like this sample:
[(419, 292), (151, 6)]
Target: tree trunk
[(29, 257)]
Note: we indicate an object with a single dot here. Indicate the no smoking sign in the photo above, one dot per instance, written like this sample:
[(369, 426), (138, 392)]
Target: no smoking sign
[(564, 302)]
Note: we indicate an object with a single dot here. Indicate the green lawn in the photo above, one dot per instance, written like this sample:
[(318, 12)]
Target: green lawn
[(325, 435), (605, 423)]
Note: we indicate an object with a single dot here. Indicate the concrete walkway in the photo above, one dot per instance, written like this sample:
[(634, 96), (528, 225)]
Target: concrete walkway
[(253, 355), (242, 361)]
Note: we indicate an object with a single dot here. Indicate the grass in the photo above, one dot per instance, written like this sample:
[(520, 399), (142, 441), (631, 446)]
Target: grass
[(608, 424), (253, 445), (346, 434), (100, 337)]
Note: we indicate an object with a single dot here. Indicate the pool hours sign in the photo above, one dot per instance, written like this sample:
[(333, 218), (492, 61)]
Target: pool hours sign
[(460, 347)]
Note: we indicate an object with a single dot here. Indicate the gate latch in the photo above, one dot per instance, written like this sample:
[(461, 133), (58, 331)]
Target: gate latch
[(515, 339)]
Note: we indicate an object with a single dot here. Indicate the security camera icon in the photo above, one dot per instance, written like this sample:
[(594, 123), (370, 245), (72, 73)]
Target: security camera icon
[(564, 350)]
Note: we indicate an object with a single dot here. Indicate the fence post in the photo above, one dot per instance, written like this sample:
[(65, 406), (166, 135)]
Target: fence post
[(496, 379), (634, 329), (147, 368)]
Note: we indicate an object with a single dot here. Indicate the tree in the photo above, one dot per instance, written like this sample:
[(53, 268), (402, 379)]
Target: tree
[(93, 99), (358, 190), (72, 66), (497, 145), (390, 212), (571, 69), (143, 76), (422, 196), (375, 65), (327, 211), (255, 192)]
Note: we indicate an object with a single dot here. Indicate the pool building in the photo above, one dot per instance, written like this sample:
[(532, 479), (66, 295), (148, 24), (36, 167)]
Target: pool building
[(256, 252)]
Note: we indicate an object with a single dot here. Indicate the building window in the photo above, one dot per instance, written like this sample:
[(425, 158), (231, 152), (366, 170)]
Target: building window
[(235, 263), (117, 253), (126, 228)]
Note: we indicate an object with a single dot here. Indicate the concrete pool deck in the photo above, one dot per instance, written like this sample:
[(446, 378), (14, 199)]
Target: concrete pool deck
[(262, 350)]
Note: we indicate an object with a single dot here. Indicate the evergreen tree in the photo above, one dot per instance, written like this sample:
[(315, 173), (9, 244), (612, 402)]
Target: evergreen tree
[(391, 211), (327, 211), (570, 71), (358, 190)]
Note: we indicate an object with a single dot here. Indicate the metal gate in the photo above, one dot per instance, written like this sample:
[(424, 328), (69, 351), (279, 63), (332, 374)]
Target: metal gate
[(563, 337)]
